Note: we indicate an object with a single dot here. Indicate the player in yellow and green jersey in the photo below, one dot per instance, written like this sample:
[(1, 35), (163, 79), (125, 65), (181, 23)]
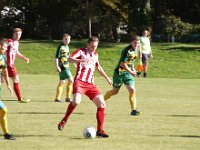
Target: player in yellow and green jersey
[(4, 76), (62, 66), (125, 72)]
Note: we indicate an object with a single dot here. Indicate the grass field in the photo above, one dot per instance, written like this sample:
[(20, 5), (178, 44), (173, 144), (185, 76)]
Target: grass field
[(170, 60), (169, 120), (168, 99)]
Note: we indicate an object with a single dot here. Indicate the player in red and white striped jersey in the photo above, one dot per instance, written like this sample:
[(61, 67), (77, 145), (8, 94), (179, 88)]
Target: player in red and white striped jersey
[(87, 61), (11, 53)]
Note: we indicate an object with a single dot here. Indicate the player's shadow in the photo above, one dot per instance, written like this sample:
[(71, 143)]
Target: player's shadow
[(6, 100), (184, 116), (47, 135), (40, 135), (183, 136), (41, 113), (186, 49)]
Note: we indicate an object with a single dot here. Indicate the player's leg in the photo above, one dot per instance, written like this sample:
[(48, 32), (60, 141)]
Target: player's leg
[(100, 103), (17, 90), (72, 105), (145, 58), (3, 122), (130, 85), (63, 77), (69, 87), (110, 93), (59, 90), (117, 82), (132, 100)]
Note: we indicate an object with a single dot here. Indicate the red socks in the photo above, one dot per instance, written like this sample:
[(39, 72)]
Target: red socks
[(17, 91), (70, 109), (100, 118), (99, 115)]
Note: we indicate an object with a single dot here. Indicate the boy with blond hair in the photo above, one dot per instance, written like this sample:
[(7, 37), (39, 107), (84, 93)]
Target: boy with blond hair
[(62, 66)]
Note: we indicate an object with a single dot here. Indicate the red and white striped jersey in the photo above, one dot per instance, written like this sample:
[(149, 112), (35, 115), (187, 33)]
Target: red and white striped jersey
[(11, 52), (85, 70)]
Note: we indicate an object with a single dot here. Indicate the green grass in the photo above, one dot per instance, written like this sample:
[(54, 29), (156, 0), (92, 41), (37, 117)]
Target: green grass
[(170, 60), (169, 120)]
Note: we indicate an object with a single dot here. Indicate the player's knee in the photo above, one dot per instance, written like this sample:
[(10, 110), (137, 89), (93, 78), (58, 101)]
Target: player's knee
[(16, 80), (4, 111), (103, 104), (62, 82), (131, 91), (115, 92), (75, 102), (70, 81)]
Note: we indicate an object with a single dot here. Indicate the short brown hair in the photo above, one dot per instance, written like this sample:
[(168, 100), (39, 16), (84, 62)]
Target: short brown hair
[(66, 35), (93, 39), (135, 38), (17, 30), (3, 41)]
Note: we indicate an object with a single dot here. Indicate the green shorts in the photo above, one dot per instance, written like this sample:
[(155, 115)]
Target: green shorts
[(125, 78), (65, 74)]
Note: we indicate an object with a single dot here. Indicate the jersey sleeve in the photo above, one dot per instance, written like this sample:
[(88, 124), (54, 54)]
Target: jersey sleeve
[(76, 54), (5, 66), (124, 57), (58, 52)]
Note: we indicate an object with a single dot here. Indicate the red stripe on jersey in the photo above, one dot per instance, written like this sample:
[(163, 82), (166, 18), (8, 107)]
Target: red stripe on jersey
[(88, 75), (82, 73)]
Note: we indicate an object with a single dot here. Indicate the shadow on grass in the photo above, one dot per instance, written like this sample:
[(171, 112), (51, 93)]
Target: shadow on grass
[(41, 113), (186, 49), (9, 100), (183, 116), (184, 136)]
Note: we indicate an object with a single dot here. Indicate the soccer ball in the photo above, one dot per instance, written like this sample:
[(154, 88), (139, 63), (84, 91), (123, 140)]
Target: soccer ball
[(89, 133)]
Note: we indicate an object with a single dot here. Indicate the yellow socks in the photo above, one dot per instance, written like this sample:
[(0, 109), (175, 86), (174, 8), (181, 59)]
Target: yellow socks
[(132, 100), (59, 91), (108, 95), (69, 89), (3, 120)]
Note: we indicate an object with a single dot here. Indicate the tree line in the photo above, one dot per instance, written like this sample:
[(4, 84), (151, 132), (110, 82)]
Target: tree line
[(113, 20)]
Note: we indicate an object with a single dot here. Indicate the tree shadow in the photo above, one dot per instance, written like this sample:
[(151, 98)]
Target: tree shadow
[(41, 113), (12, 100), (183, 115), (183, 48), (183, 136)]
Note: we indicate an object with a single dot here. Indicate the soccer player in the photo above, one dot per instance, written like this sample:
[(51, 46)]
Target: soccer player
[(87, 62), (62, 66), (146, 51), (125, 72), (11, 53), (4, 74)]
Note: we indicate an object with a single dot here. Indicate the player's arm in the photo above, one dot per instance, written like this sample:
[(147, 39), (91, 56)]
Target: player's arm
[(102, 73), (57, 60), (75, 57), (6, 79), (23, 57), (129, 70), (140, 51), (57, 65), (151, 54), (124, 65)]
